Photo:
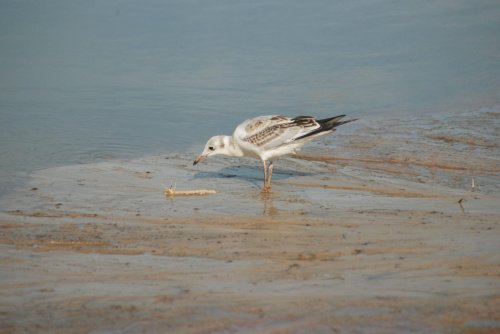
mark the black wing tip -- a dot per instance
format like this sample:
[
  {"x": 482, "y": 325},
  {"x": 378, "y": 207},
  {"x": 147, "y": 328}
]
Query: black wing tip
[
  {"x": 328, "y": 124},
  {"x": 348, "y": 121},
  {"x": 334, "y": 121},
  {"x": 330, "y": 119}
]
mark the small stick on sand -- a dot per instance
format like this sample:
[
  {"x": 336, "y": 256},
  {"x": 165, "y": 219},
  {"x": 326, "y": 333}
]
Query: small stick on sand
[
  {"x": 171, "y": 192},
  {"x": 468, "y": 192}
]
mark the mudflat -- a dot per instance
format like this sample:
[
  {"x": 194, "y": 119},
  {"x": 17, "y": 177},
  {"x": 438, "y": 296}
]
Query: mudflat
[{"x": 363, "y": 233}]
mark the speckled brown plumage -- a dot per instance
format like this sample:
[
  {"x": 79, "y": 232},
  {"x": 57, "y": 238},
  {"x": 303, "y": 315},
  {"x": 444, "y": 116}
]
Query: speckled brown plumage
[{"x": 269, "y": 133}]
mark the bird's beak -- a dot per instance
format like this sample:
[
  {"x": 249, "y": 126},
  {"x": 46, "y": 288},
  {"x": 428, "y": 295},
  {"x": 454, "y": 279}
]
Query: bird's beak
[{"x": 201, "y": 157}]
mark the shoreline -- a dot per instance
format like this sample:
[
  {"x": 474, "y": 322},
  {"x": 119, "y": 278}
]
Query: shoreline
[{"x": 362, "y": 231}]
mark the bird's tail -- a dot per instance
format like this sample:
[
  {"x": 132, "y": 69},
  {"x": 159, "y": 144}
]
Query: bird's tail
[
  {"x": 328, "y": 124},
  {"x": 333, "y": 122}
]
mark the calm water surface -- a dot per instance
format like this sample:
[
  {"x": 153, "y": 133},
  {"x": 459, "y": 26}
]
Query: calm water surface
[{"x": 82, "y": 81}]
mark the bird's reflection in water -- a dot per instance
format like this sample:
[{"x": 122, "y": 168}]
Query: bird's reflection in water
[{"x": 268, "y": 200}]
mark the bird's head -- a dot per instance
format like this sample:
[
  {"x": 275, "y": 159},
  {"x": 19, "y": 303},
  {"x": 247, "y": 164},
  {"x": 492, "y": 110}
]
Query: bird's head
[{"x": 214, "y": 146}]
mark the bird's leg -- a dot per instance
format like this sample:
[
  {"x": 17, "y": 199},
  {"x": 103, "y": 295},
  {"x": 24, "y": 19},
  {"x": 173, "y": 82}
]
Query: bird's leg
[
  {"x": 271, "y": 166},
  {"x": 266, "y": 185},
  {"x": 264, "y": 168}
]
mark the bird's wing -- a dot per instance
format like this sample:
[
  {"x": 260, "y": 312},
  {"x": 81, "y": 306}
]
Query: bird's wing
[{"x": 267, "y": 132}]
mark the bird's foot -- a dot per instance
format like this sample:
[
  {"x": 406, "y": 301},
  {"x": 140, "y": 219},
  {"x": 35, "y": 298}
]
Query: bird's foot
[{"x": 266, "y": 190}]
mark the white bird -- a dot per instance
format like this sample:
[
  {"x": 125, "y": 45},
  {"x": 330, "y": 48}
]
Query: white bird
[{"x": 269, "y": 137}]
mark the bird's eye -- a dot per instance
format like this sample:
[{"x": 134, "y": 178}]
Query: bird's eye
[{"x": 211, "y": 148}]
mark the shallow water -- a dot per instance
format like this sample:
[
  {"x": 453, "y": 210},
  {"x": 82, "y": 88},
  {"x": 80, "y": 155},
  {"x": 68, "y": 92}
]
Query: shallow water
[
  {"x": 91, "y": 81},
  {"x": 391, "y": 164}
]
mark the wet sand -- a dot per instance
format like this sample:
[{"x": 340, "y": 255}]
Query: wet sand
[{"x": 362, "y": 233}]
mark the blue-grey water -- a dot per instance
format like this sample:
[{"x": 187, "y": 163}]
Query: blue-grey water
[{"x": 82, "y": 81}]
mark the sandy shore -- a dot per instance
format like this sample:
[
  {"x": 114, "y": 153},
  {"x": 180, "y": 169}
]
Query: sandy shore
[{"x": 362, "y": 233}]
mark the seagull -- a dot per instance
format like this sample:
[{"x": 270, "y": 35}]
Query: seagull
[{"x": 270, "y": 137}]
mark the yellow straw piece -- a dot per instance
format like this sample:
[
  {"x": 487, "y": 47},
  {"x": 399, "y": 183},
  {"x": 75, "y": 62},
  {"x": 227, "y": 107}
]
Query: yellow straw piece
[{"x": 171, "y": 192}]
